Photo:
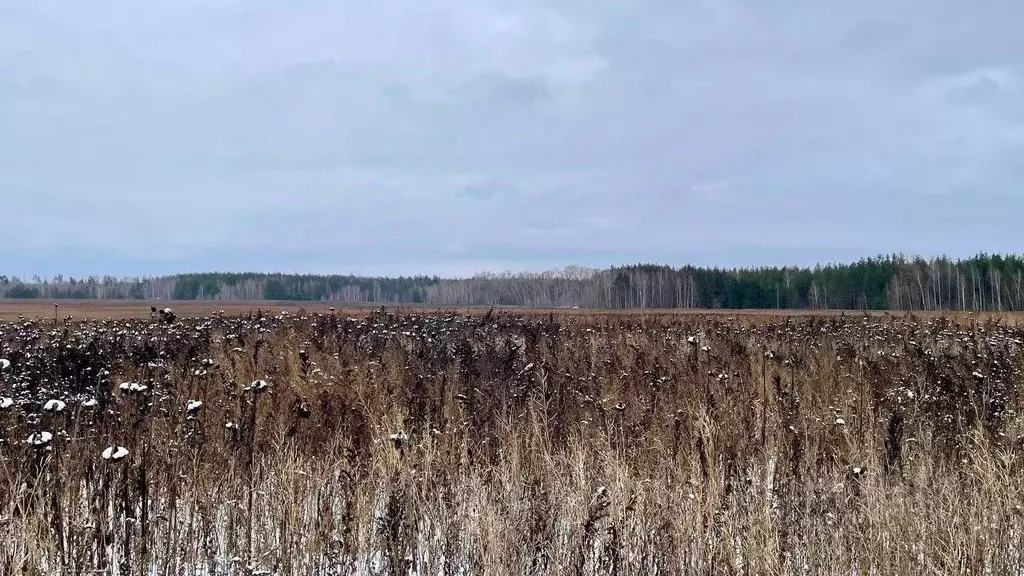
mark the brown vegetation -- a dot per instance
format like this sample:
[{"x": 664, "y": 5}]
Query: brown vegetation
[
  {"x": 508, "y": 443},
  {"x": 80, "y": 309}
]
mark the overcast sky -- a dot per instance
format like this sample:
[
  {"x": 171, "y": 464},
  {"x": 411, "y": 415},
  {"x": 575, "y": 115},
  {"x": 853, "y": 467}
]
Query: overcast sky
[{"x": 451, "y": 136}]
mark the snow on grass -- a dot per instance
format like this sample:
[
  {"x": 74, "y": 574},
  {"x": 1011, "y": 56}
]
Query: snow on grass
[
  {"x": 40, "y": 438},
  {"x": 256, "y": 386},
  {"x": 115, "y": 453},
  {"x": 133, "y": 387}
]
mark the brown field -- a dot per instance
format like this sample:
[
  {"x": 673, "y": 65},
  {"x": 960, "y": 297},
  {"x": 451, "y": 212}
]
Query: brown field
[
  {"x": 98, "y": 309},
  {"x": 122, "y": 309},
  {"x": 409, "y": 442}
]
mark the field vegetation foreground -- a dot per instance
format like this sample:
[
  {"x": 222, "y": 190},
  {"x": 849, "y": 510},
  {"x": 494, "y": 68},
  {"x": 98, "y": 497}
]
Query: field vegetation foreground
[{"x": 411, "y": 442}]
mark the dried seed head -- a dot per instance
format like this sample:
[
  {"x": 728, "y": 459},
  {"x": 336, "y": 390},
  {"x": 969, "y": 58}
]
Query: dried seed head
[
  {"x": 399, "y": 438},
  {"x": 115, "y": 453},
  {"x": 40, "y": 438}
]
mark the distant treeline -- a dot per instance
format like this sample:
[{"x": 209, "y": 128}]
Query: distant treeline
[{"x": 984, "y": 282}]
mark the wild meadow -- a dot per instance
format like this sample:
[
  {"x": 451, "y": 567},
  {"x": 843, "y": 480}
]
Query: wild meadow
[{"x": 412, "y": 442}]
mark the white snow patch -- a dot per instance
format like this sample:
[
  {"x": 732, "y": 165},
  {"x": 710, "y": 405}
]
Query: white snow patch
[
  {"x": 40, "y": 438},
  {"x": 256, "y": 386},
  {"x": 115, "y": 453}
]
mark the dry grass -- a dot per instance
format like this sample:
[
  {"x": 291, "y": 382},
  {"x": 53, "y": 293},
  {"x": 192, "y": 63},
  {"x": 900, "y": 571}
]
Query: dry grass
[
  {"x": 13, "y": 309},
  {"x": 565, "y": 443}
]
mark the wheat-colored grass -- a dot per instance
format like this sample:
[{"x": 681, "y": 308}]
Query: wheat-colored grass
[{"x": 567, "y": 444}]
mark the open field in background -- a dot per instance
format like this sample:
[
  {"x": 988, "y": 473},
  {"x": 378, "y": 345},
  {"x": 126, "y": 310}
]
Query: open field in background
[
  {"x": 520, "y": 442},
  {"x": 100, "y": 309},
  {"x": 11, "y": 309}
]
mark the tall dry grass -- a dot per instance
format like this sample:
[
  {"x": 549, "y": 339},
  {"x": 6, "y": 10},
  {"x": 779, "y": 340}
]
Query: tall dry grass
[{"x": 556, "y": 445}]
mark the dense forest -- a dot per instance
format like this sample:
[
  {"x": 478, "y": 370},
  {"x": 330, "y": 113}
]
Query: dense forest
[{"x": 984, "y": 282}]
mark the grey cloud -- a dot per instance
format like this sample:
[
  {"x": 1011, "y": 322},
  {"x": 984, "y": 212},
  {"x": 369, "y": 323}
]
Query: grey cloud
[
  {"x": 455, "y": 135},
  {"x": 497, "y": 92}
]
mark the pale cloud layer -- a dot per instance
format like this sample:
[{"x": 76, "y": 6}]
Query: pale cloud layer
[{"x": 449, "y": 137}]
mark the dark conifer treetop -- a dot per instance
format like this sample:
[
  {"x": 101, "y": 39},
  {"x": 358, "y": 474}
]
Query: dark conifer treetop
[{"x": 984, "y": 282}]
